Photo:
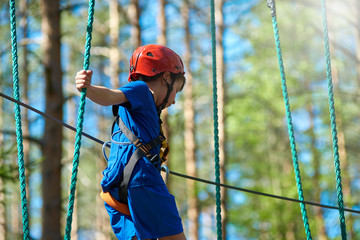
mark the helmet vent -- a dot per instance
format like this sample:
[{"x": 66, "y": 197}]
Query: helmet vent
[{"x": 150, "y": 54}]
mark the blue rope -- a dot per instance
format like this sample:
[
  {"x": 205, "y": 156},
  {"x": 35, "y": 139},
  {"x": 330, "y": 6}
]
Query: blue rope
[
  {"x": 80, "y": 121},
  {"x": 19, "y": 138},
  {"x": 216, "y": 130},
  {"x": 271, "y": 4},
  {"x": 333, "y": 123}
]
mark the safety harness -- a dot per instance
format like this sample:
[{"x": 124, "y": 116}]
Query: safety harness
[{"x": 142, "y": 150}]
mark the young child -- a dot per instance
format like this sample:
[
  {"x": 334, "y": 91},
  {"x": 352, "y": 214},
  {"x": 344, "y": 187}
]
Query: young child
[{"x": 132, "y": 183}]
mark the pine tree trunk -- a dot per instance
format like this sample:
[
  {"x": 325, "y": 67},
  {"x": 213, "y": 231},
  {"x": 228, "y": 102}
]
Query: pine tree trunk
[
  {"x": 134, "y": 17},
  {"x": 190, "y": 145},
  {"x": 52, "y": 138},
  {"x": 114, "y": 53},
  {"x": 219, "y": 20}
]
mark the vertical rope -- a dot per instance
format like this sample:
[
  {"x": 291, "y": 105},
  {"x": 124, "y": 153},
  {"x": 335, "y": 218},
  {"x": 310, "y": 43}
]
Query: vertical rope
[
  {"x": 80, "y": 121},
  {"x": 333, "y": 122},
  {"x": 216, "y": 130},
  {"x": 19, "y": 138},
  {"x": 271, "y": 4}
]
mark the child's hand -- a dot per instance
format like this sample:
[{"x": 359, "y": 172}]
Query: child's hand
[{"x": 83, "y": 79}]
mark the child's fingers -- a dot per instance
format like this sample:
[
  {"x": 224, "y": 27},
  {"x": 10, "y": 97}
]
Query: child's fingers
[{"x": 83, "y": 79}]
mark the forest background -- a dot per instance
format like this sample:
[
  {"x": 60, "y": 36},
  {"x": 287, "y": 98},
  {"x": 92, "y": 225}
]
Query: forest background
[{"x": 254, "y": 144}]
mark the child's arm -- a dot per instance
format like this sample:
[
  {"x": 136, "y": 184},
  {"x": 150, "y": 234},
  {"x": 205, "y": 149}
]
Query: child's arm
[{"x": 98, "y": 94}]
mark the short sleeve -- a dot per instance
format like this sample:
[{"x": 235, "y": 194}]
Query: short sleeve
[{"x": 137, "y": 93}]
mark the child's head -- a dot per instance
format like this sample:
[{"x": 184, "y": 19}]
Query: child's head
[{"x": 151, "y": 62}]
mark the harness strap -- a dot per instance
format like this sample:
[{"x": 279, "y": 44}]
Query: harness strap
[{"x": 141, "y": 151}]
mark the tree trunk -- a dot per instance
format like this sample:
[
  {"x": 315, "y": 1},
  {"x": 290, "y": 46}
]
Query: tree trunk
[
  {"x": 190, "y": 145},
  {"x": 161, "y": 19},
  {"x": 52, "y": 138},
  {"x": 219, "y": 21},
  {"x": 114, "y": 53},
  {"x": 134, "y": 17}
]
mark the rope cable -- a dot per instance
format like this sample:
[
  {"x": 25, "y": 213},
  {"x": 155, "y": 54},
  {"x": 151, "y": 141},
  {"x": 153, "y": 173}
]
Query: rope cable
[
  {"x": 80, "y": 121},
  {"x": 333, "y": 123},
  {"x": 271, "y": 4},
  {"x": 183, "y": 175},
  {"x": 19, "y": 138},
  {"x": 216, "y": 130}
]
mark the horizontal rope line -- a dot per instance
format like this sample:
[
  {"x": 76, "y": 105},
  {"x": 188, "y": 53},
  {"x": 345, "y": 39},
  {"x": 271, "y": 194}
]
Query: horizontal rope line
[
  {"x": 180, "y": 174},
  {"x": 49, "y": 117}
]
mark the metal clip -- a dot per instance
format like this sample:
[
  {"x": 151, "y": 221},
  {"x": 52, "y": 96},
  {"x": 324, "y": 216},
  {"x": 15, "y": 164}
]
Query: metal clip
[
  {"x": 165, "y": 169},
  {"x": 271, "y": 5}
]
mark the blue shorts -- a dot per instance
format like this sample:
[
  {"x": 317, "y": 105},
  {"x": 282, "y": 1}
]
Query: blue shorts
[{"x": 153, "y": 214}]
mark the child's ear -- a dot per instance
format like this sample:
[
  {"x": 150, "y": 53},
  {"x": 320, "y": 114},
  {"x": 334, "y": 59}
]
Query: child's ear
[{"x": 166, "y": 76}]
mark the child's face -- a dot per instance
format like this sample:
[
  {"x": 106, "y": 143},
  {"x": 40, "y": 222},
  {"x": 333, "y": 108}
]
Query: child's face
[{"x": 178, "y": 85}]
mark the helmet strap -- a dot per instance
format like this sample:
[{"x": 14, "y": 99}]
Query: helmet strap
[{"x": 165, "y": 101}]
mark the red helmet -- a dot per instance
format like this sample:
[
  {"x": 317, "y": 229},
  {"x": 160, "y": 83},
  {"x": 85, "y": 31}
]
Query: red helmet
[{"x": 152, "y": 59}]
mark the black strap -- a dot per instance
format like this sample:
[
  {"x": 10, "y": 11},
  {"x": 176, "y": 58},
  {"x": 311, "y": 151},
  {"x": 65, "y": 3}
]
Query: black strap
[{"x": 141, "y": 151}]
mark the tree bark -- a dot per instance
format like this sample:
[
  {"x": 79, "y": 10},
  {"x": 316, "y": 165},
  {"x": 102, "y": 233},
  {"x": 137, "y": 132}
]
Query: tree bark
[
  {"x": 52, "y": 138},
  {"x": 134, "y": 18},
  {"x": 190, "y": 145},
  {"x": 114, "y": 53},
  {"x": 219, "y": 21}
]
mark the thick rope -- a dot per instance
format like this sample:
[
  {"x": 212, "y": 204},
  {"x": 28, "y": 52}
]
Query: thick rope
[
  {"x": 271, "y": 4},
  {"x": 19, "y": 138},
  {"x": 80, "y": 121},
  {"x": 333, "y": 123},
  {"x": 180, "y": 174},
  {"x": 216, "y": 129}
]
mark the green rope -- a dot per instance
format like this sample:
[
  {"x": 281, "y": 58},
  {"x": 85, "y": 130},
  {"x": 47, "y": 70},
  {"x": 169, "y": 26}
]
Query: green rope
[
  {"x": 19, "y": 138},
  {"x": 80, "y": 121},
  {"x": 216, "y": 130},
  {"x": 271, "y": 4},
  {"x": 333, "y": 123}
]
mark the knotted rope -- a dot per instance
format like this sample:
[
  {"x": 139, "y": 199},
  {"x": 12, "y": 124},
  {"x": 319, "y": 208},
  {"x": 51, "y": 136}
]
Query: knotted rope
[
  {"x": 216, "y": 129},
  {"x": 19, "y": 138},
  {"x": 271, "y": 4},
  {"x": 333, "y": 123},
  {"x": 80, "y": 121}
]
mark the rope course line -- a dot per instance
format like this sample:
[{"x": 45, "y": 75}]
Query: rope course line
[
  {"x": 80, "y": 121},
  {"x": 19, "y": 138},
  {"x": 271, "y": 4},
  {"x": 183, "y": 175},
  {"x": 333, "y": 122},
  {"x": 216, "y": 129}
]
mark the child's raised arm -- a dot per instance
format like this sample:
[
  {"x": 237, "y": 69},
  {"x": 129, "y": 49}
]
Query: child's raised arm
[{"x": 98, "y": 94}]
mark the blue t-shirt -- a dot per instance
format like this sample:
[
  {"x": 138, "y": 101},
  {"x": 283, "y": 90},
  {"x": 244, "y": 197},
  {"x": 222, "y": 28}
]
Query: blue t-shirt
[{"x": 141, "y": 117}]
